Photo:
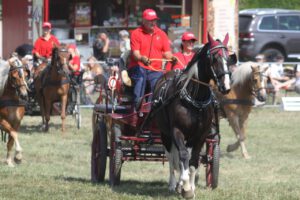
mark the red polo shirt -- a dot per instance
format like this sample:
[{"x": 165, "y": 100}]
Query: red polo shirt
[
  {"x": 182, "y": 62},
  {"x": 150, "y": 45},
  {"x": 44, "y": 47},
  {"x": 76, "y": 60}
]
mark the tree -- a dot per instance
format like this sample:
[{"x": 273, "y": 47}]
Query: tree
[{"x": 291, "y": 4}]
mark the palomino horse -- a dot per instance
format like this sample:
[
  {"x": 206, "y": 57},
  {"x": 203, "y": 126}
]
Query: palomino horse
[
  {"x": 13, "y": 90},
  {"x": 55, "y": 84},
  {"x": 183, "y": 109},
  {"x": 248, "y": 82}
]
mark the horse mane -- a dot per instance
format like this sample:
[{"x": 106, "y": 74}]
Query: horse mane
[
  {"x": 192, "y": 67},
  {"x": 4, "y": 71},
  {"x": 242, "y": 74},
  {"x": 54, "y": 57}
]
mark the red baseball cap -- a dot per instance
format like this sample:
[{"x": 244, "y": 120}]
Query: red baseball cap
[
  {"x": 47, "y": 25},
  {"x": 188, "y": 36},
  {"x": 149, "y": 14},
  {"x": 72, "y": 46}
]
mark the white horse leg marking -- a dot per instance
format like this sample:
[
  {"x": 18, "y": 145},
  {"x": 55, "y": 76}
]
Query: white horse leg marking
[
  {"x": 192, "y": 177},
  {"x": 9, "y": 159},
  {"x": 184, "y": 177},
  {"x": 244, "y": 150}
]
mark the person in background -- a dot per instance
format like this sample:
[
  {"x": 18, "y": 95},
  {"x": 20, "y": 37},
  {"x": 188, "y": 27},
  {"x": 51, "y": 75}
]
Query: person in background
[
  {"x": 125, "y": 41},
  {"x": 149, "y": 45},
  {"x": 101, "y": 46},
  {"x": 125, "y": 53},
  {"x": 277, "y": 73},
  {"x": 92, "y": 69},
  {"x": 293, "y": 82},
  {"x": 74, "y": 63},
  {"x": 186, "y": 54},
  {"x": 42, "y": 48}
]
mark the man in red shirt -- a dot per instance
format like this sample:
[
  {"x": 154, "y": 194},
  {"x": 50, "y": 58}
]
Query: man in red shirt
[
  {"x": 149, "y": 45},
  {"x": 186, "y": 54},
  {"x": 42, "y": 48}
]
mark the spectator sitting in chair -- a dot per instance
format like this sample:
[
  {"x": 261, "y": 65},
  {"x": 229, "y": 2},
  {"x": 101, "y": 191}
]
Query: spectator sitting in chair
[{"x": 293, "y": 82}]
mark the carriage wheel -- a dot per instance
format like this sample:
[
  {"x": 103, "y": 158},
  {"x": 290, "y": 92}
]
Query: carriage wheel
[
  {"x": 115, "y": 156},
  {"x": 99, "y": 152},
  {"x": 212, "y": 169}
]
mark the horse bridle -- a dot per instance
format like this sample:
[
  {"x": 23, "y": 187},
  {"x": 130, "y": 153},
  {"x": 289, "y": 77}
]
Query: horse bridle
[
  {"x": 64, "y": 64},
  {"x": 256, "y": 91},
  {"x": 18, "y": 67},
  {"x": 216, "y": 77}
]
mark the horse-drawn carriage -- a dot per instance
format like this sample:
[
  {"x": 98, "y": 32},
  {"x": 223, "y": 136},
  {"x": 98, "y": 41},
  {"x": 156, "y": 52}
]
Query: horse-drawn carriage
[
  {"x": 53, "y": 89},
  {"x": 125, "y": 132},
  {"x": 73, "y": 105},
  {"x": 120, "y": 133}
]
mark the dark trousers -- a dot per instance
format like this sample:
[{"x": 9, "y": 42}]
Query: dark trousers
[{"x": 140, "y": 77}]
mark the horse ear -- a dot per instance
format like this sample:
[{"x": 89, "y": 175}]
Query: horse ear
[
  {"x": 226, "y": 39},
  {"x": 210, "y": 39}
]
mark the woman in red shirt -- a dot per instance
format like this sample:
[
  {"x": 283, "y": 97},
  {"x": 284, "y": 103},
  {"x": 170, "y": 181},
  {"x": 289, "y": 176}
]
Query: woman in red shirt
[
  {"x": 74, "y": 63},
  {"x": 185, "y": 56}
]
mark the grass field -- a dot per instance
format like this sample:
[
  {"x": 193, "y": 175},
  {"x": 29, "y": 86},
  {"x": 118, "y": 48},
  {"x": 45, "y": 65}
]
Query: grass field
[{"x": 58, "y": 167}]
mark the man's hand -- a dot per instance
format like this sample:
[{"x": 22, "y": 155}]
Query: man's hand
[
  {"x": 145, "y": 60},
  {"x": 174, "y": 60}
]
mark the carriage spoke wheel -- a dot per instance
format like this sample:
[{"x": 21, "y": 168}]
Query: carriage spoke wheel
[
  {"x": 115, "y": 156},
  {"x": 99, "y": 152},
  {"x": 212, "y": 168}
]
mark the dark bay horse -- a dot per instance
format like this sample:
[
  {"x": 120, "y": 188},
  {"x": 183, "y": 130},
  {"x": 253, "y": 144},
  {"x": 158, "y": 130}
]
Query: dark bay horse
[
  {"x": 53, "y": 85},
  {"x": 13, "y": 93},
  {"x": 183, "y": 107},
  {"x": 248, "y": 83}
]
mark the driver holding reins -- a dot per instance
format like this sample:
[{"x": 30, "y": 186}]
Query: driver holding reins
[
  {"x": 149, "y": 45},
  {"x": 42, "y": 49}
]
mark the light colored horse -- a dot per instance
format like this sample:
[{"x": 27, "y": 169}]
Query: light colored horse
[
  {"x": 13, "y": 88},
  {"x": 248, "y": 83}
]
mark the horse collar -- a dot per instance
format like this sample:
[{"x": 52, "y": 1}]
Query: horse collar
[{"x": 200, "y": 105}]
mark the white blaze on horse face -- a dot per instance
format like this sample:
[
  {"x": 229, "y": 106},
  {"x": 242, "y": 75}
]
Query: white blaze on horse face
[{"x": 226, "y": 78}]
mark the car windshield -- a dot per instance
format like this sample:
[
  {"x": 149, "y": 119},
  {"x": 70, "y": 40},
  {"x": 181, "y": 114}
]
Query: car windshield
[{"x": 244, "y": 23}]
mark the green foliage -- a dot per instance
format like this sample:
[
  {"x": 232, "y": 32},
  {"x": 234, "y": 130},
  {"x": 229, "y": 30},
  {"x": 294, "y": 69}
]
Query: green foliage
[{"x": 291, "y": 4}]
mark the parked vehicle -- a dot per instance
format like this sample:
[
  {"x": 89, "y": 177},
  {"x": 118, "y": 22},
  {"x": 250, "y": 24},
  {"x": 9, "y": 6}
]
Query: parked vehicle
[{"x": 273, "y": 32}]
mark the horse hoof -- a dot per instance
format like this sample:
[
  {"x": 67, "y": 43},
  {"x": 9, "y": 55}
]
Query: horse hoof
[
  {"x": 246, "y": 156},
  {"x": 187, "y": 194},
  {"x": 231, "y": 148},
  {"x": 178, "y": 188},
  {"x": 18, "y": 158},
  {"x": 10, "y": 164}
]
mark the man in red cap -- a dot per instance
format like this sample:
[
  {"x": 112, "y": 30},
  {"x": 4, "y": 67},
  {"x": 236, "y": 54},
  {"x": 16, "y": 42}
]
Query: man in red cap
[
  {"x": 42, "y": 48},
  {"x": 149, "y": 45},
  {"x": 186, "y": 54}
]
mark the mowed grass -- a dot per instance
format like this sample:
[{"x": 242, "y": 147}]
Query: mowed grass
[{"x": 58, "y": 167}]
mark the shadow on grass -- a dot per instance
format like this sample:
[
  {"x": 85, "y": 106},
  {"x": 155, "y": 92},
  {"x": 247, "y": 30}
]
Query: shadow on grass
[
  {"x": 74, "y": 179},
  {"x": 150, "y": 189},
  {"x": 29, "y": 129},
  {"x": 132, "y": 187}
]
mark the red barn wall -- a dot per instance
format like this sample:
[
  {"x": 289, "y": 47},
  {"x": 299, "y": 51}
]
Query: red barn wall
[{"x": 16, "y": 15}]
